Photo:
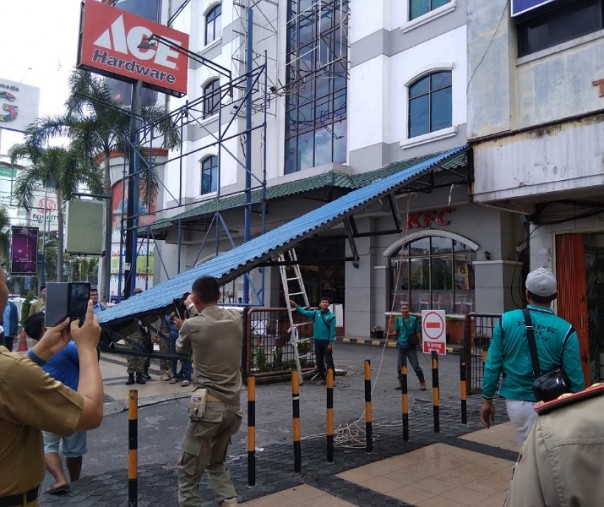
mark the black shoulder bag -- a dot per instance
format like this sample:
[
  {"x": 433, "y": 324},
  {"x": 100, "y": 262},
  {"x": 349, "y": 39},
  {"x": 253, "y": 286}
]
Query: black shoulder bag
[{"x": 552, "y": 384}]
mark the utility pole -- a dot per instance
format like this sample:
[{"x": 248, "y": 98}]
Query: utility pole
[{"x": 133, "y": 193}]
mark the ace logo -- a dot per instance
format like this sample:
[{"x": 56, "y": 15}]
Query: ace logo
[
  {"x": 115, "y": 38},
  {"x": 109, "y": 44}
]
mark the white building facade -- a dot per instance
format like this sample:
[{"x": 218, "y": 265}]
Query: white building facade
[{"x": 352, "y": 88}]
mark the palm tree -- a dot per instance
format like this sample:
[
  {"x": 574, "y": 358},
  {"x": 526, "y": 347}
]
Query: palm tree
[
  {"x": 61, "y": 169},
  {"x": 98, "y": 126}
]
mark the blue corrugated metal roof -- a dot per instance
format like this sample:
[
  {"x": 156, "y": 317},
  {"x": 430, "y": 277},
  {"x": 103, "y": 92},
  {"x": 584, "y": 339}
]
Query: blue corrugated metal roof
[{"x": 245, "y": 257}]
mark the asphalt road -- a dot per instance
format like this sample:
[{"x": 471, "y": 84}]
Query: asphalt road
[{"x": 160, "y": 426}]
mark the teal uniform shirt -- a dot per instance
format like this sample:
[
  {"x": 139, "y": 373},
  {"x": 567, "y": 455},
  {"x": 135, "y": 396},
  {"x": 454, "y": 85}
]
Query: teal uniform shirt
[
  {"x": 324, "y": 323},
  {"x": 509, "y": 355},
  {"x": 404, "y": 328}
]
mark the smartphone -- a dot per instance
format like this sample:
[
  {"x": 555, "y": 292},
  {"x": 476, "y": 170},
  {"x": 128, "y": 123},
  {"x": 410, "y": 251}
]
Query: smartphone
[{"x": 66, "y": 299}]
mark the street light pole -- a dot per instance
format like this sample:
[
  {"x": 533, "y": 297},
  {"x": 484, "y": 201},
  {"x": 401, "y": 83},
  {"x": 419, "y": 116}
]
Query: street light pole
[{"x": 133, "y": 193}]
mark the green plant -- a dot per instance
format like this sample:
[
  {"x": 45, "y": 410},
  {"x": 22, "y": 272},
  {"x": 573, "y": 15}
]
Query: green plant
[
  {"x": 304, "y": 347},
  {"x": 278, "y": 359},
  {"x": 261, "y": 360}
]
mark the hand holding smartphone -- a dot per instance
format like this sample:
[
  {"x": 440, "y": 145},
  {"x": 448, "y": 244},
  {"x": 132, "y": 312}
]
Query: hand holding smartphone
[{"x": 66, "y": 299}]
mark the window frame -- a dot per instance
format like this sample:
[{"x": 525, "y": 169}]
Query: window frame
[
  {"x": 213, "y": 20},
  {"x": 431, "y": 91},
  {"x": 213, "y": 172},
  {"x": 451, "y": 299},
  {"x": 316, "y": 111},
  {"x": 211, "y": 97},
  {"x": 551, "y": 17}
]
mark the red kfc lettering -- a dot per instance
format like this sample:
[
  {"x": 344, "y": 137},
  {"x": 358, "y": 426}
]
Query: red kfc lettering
[
  {"x": 428, "y": 216},
  {"x": 413, "y": 221},
  {"x": 440, "y": 216}
]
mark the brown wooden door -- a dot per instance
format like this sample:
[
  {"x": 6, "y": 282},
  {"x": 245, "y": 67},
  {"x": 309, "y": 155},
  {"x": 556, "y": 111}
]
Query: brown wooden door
[{"x": 572, "y": 291}]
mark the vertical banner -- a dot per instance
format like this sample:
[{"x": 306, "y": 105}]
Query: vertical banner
[{"x": 24, "y": 251}]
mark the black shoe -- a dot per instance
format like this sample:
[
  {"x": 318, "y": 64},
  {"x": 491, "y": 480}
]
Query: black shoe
[
  {"x": 146, "y": 375},
  {"x": 130, "y": 380},
  {"x": 140, "y": 379}
]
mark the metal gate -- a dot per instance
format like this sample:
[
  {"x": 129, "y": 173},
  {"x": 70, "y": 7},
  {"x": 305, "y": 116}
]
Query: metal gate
[
  {"x": 270, "y": 350},
  {"x": 478, "y": 332}
]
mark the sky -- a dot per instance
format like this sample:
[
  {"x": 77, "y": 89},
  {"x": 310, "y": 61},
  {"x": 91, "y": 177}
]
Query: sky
[{"x": 39, "y": 41}]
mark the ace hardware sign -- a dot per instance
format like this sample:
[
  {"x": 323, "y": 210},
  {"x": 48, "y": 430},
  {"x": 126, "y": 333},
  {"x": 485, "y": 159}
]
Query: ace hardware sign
[{"x": 118, "y": 44}]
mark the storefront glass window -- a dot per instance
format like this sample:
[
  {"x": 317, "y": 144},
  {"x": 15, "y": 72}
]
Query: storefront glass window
[{"x": 433, "y": 273}]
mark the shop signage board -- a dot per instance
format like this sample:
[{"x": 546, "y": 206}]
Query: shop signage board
[
  {"x": 111, "y": 44},
  {"x": 522, "y": 6},
  {"x": 434, "y": 334}
]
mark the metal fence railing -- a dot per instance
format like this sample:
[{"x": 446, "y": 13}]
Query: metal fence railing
[
  {"x": 269, "y": 349},
  {"x": 478, "y": 332}
]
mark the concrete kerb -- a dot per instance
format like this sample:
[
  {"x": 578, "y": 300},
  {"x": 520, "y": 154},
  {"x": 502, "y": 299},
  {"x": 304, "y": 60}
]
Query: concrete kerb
[{"x": 375, "y": 342}]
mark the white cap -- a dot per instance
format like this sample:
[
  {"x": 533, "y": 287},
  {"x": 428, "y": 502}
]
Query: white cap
[{"x": 541, "y": 282}]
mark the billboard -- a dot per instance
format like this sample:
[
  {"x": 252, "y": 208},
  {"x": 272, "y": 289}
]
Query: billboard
[
  {"x": 109, "y": 45},
  {"x": 24, "y": 251},
  {"x": 121, "y": 91},
  {"x": 19, "y": 105},
  {"x": 522, "y": 6}
]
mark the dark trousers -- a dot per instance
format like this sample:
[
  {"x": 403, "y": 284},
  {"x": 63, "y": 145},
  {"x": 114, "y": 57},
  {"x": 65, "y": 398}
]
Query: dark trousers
[
  {"x": 408, "y": 352},
  {"x": 323, "y": 357}
]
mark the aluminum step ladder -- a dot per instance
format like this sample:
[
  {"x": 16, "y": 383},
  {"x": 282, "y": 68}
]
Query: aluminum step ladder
[{"x": 293, "y": 285}]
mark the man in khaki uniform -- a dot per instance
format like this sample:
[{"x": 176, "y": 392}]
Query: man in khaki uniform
[
  {"x": 214, "y": 336},
  {"x": 562, "y": 461},
  {"x": 31, "y": 401}
]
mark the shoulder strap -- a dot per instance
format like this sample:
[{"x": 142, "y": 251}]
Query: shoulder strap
[
  {"x": 324, "y": 321},
  {"x": 530, "y": 335}
]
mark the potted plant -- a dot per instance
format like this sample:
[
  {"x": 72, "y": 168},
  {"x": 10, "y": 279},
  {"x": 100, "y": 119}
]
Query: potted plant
[{"x": 377, "y": 331}]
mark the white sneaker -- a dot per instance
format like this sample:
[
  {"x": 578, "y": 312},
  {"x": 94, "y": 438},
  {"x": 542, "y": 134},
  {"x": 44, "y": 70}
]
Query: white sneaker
[{"x": 229, "y": 501}]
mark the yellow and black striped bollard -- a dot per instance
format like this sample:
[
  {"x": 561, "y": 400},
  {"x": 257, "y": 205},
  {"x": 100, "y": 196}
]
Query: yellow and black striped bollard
[
  {"x": 329, "y": 421},
  {"x": 296, "y": 413},
  {"x": 251, "y": 431},
  {"x": 435, "y": 392},
  {"x": 368, "y": 408},
  {"x": 133, "y": 448}
]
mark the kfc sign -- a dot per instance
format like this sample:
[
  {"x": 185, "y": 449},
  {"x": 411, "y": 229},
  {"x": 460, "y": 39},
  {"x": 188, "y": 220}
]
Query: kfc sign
[
  {"x": 424, "y": 219},
  {"x": 109, "y": 44}
]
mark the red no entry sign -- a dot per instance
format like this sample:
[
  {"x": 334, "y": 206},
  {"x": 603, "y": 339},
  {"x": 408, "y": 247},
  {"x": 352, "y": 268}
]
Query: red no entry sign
[{"x": 434, "y": 331}]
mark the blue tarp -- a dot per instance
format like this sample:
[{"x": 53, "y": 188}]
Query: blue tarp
[{"x": 228, "y": 266}]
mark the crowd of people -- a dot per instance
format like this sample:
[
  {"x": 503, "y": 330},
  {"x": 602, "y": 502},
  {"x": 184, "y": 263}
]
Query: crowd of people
[{"x": 53, "y": 394}]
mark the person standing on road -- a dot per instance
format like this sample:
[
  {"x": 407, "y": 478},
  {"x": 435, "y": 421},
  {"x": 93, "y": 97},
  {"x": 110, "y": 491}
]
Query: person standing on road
[
  {"x": 324, "y": 333},
  {"x": 32, "y": 401},
  {"x": 509, "y": 355},
  {"x": 408, "y": 330},
  {"x": 64, "y": 366},
  {"x": 136, "y": 364},
  {"x": 10, "y": 324},
  {"x": 39, "y": 305},
  {"x": 214, "y": 336}
]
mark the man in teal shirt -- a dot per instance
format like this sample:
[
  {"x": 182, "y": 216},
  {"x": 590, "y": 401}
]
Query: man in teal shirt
[
  {"x": 324, "y": 333},
  {"x": 509, "y": 355}
]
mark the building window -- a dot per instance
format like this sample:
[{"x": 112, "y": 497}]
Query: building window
[
  {"x": 211, "y": 98},
  {"x": 213, "y": 18},
  {"x": 435, "y": 273},
  {"x": 209, "y": 174},
  {"x": 543, "y": 28},
  {"x": 430, "y": 103},
  {"x": 418, "y": 8},
  {"x": 317, "y": 75}
]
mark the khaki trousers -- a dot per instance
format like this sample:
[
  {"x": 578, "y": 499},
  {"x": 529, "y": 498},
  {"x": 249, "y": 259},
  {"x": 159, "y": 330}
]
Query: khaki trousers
[{"x": 204, "y": 446}]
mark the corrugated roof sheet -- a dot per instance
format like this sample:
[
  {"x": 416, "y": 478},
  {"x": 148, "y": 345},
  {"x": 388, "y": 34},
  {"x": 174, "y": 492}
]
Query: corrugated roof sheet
[{"x": 245, "y": 257}]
